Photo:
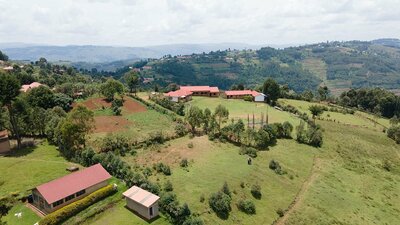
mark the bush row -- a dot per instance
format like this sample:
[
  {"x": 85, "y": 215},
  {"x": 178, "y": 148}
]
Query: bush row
[{"x": 68, "y": 211}]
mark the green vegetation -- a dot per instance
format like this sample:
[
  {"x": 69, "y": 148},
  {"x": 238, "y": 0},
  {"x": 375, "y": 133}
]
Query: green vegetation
[
  {"x": 44, "y": 163},
  {"x": 70, "y": 210},
  {"x": 28, "y": 217}
]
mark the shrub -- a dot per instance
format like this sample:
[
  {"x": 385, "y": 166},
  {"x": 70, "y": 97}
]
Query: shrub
[
  {"x": 225, "y": 189},
  {"x": 246, "y": 206},
  {"x": 184, "y": 163},
  {"x": 274, "y": 165},
  {"x": 147, "y": 172},
  {"x": 256, "y": 191},
  {"x": 242, "y": 184},
  {"x": 168, "y": 186},
  {"x": 116, "y": 111},
  {"x": 193, "y": 221},
  {"x": 280, "y": 212},
  {"x": 113, "y": 143},
  {"x": 156, "y": 138},
  {"x": 64, "y": 213},
  {"x": 180, "y": 129},
  {"x": 250, "y": 151},
  {"x": 248, "y": 98},
  {"x": 202, "y": 198},
  {"x": 162, "y": 168},
  {"x": 220, "y": 203},
  {"x": 117, "y": 103},
  {"x": 190, "y": 145},
  {"x": 394, "y": 133}
]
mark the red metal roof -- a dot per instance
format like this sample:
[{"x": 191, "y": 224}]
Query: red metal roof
[
  {"x": 178, "y": 93},
  {"x": 3, "y": 133},
  {"x": 199, "y": 88},
  {"x": 65, "y": 186},
  {"x": 242, "y": 92}
]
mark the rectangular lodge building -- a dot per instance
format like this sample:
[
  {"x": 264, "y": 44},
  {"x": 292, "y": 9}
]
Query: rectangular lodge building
[{"x": 58, "y": 193}]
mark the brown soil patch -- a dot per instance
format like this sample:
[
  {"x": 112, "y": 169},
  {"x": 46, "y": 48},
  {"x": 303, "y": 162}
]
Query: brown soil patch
[
  {"x": 110, "y": 123},
  {"x": 173, "y": 154},
  {"x": 133, "y": 106},
  {"x": 130, "y": 105}
]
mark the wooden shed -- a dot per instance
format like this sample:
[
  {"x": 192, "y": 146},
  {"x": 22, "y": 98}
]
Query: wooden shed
[{"x": 142, "y": 202}]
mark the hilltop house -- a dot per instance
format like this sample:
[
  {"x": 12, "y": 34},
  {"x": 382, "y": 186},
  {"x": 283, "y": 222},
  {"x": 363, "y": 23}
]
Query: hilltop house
[
  {"x": 179, "y": 95},
  {"x": 28, "y": 87},
  {"x": 4, "y": 142},
  {"x": 58, "y": 193},
  {"x": 257, "y": 97},
  {"x": 142, "y": 202}
]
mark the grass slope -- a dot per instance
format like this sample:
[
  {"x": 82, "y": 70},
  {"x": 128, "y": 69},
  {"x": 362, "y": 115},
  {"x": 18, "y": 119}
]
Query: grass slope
[
  {"x": 352, "y": 186},
  {"x": 241, "y": 109},
  {"x": 29, "y": 167}
]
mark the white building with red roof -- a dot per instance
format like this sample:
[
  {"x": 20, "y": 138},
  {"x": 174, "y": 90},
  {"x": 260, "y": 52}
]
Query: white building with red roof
[
  {"x": 60, "y": 192},
  {"x": 179, "y": 95},
  {"x": 240, "y": 94},
  {"x": 142, "y": 202}
]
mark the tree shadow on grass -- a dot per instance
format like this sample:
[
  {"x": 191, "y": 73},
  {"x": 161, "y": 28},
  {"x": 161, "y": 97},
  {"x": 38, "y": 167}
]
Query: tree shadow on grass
[{"x": 16, "y": 153}]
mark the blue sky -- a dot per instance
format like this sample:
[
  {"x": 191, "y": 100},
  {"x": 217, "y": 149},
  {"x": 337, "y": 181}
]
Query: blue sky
[{"x": 156, "y": 22}]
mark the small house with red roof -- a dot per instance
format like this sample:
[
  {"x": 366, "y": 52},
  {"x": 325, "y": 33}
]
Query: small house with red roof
[
  {"x": 60, "y": 192},
  {"x": 142, "y": 202},
  {"x": 4, "y": 142},
  {"x": 240, "y": 94}
]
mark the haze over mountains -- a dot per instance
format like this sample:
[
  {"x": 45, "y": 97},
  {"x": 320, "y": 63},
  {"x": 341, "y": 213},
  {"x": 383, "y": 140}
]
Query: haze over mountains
[{"x": 102, "y": 54}]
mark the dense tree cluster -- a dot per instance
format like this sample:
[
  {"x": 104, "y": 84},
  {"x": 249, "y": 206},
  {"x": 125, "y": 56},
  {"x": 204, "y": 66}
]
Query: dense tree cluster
[{"x": 377, "y": 100}]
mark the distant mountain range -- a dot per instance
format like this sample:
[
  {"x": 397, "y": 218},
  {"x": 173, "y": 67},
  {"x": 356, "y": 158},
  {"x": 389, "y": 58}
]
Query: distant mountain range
[{"x": 102, "y": 54}]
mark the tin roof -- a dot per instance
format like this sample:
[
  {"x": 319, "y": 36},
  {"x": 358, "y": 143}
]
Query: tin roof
[{"x": 141, "y": 196}]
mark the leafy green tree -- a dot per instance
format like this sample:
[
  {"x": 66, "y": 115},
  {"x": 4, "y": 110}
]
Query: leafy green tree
[
  {"x": 42, "y": 97},
  {"x": 225, "y": 189},
  {"x": 272, "y": 90},
  {"x": 316, "y": 110},
  {"x": 323, "y": 93},
  {"x": 287, "y": 129},
  {"x": 132, "y": 80},
  {"x": 38, "y": 119},
  {"x": 110, "y": 88},
  {"x": 222, "y": 114},
  {"x": 74, "y": 129},
  {"x": 9, "y": 90},
  {"x": 307, "y": 95},
  {"x": 194, "y": 117},
  {"x": 63, "y": 101}
]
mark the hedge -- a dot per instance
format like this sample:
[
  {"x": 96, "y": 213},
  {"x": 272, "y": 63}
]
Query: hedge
[{"x": 70, "y": 210}]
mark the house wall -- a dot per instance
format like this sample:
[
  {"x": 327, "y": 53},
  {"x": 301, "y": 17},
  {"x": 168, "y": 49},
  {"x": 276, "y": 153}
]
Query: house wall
[
  {"x": 201, "y": 93},
  {"x": 43, "y": 206},
  {"x": 236, "y": 96},
  {"x": 4, "y": 145},
  {"x": 259, "y": 98},
  {"x": 141, "y": 209}
]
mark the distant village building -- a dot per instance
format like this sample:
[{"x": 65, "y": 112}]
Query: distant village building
[
  {"x": 257, "y": 97},
  {"x": 147, "y": 80},
  {"x": 179, "y": 95},
  {"x": 28, "y": 87},
  {"x": 146, "y": 67},
  {"x": 8, "y": 68},
  {"x": 144, "y": 203},
  {"x": 58, "y": 193},
  {"x": 4, "y": 142},
  {"x": 202, "y": 90}
]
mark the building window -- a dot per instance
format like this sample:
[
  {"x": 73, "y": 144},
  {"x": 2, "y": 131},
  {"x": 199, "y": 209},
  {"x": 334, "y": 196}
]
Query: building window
[
  {"x": 79, "y": 193},
  {"x": 59, "y": 202},
  {"x": 70, "y": 197}
]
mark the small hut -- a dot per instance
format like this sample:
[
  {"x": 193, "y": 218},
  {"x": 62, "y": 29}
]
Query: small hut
[{"x": 142, "y": 202}]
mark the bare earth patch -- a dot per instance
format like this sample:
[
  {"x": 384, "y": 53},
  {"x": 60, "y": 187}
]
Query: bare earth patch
[
  {"x": 130, "y": 105},
  {"x": 110, "y": 123}
]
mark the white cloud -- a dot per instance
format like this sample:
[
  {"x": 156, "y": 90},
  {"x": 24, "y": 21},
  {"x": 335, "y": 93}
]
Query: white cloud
[{"x": 153, "y": 22}]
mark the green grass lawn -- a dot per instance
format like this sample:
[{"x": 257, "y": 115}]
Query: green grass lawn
[
  {"x": 211, "y": 164},
  {"x": 28, "y": 217},
  {"x": 30, "y": 167},
  {"x": 241, "y": 109}
]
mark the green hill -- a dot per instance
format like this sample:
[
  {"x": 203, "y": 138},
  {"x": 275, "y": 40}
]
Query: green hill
[{"x": 339, "y": 65}]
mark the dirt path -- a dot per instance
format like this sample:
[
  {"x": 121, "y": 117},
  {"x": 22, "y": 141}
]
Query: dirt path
[{"x": 300, "y": 195}]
